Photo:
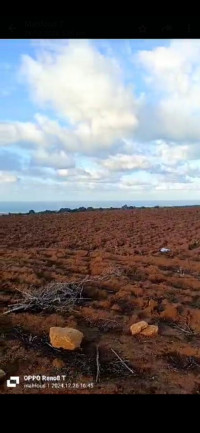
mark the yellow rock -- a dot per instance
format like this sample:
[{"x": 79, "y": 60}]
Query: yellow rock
[
  {"x": 136, "y": 328},
  {"x": 65, "y": 338},
  {"x": 150, "y": 331}
]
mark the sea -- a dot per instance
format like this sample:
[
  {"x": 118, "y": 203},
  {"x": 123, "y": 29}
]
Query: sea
[{"x": 38, "y": 206}]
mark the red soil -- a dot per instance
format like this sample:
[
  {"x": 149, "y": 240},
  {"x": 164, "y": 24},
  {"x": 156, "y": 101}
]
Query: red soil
[{"x": 163, "y": 289}]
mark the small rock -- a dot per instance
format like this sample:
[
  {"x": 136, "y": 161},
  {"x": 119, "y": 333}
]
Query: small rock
[
  {"x": 65, "y": 338},
  {"x": 2, "y": 374},
  {"x": 165, "y": 250},
  {"x": 136, "y": 328},
  {"x": 58, "y": 363},
  {"x": 115, "y": 307},
  {"x": 150, "y": 331}
]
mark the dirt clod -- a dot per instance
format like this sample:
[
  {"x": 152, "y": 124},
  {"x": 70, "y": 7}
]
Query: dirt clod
[{"x": 58, "y": 363}]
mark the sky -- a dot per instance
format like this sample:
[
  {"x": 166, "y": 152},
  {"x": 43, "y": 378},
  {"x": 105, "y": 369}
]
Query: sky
[{"x": 99, "y": 120}]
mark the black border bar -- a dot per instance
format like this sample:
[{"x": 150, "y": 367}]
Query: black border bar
[{"x": 114, "y": 27}]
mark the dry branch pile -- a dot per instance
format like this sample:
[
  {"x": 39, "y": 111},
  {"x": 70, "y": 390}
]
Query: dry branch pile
[{"x": 55, "y": 296}]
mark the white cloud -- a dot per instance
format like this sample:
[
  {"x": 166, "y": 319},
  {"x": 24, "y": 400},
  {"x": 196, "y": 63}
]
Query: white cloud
[
  {"x": 87, "y": 89},
  {"x": 43, "y": 132},
  {"x": 173, "y": 73},
  {"x": 7, "y": 177},
  {"x": 171, "y": 154},
  {"x": 86, "y": 176},
  {"x": 73, "y": 172},
  {"x": 13, "y": 132},
  {"x": 58, "y": 159},
  {"x": 135, "y": 184},
  {"x": 178, "y": 186},
  {"x": 55, "y": 134},
  {"x": 122, "y": 162}
]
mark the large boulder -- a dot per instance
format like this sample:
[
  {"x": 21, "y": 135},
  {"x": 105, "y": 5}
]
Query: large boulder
[
  {"x": 65, "y": 338},
  {"x": 136, "y": 328}
]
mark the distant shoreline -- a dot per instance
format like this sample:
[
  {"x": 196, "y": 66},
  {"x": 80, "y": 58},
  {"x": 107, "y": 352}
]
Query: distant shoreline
[{"x": 92, "y": 209}]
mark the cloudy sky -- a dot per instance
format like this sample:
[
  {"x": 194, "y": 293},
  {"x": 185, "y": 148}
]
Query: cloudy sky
[{"x": 99, "y": 120}]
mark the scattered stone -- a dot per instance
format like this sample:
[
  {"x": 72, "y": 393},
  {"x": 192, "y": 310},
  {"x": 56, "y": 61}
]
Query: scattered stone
[
  {"x": 150, "y": 331},
  {"x": 165, "y": 250},
  {"x": 2, "y": 374},
  {"x": 115, "y": 307},
  {"x": 136, "y": 328},
  {"x": 65, "y": 338},
  {"x": 58, "y": 363}
]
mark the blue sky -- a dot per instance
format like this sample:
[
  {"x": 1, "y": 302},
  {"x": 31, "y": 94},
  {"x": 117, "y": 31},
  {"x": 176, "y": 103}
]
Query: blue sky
[{"x": 99, "y": 119}]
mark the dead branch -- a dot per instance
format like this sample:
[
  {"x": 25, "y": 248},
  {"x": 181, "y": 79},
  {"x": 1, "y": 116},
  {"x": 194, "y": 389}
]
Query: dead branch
[
  {"x": 97, "y": 362},
  {"x": 121, "y": 360},
  {"x": 20, "y": 307},
  {"x": 189, "y": 331}
]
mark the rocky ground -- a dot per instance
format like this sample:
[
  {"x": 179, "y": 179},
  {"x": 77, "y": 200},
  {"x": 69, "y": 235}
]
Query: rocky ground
[{"x": 145, "y": 285}]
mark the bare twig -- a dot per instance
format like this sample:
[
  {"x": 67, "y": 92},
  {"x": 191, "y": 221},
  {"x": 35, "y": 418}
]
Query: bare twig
[
  {"x": 20, "y": 307},
  {"x": 97, "y": 362},
  {"x": 24, "y": 293},
  {"x": 125, "y": 365},
  {"x": 189, "y": 332}
]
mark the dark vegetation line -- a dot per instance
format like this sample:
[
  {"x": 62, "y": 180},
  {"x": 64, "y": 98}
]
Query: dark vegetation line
[{"x": 90, "y": 209}]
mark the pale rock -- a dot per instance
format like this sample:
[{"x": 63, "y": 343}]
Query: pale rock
[
  {"x": 2, "y": 374},
  {"x": 136, "y": 328},
  {"x": 150, "y": 331},
  {"x": 65, "y": 338}
]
